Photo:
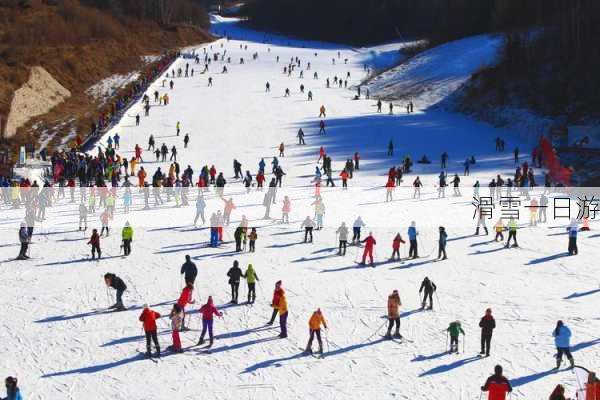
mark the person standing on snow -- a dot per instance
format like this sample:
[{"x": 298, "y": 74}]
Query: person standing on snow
[
  {"x": 208, "y": 310},
  {"x": 314, "y": 328},
  {"x": 497, "y": 385},
  {"x": 277, "y": 293},
  {"x": 229, "y": 206},
  {"x": 572, "y": 230},
  {"x": 308, "y": 226},
  {"x": 487, "y": 325},
  {"x": 127, "y": 237},
  {"x": 95, "y": 242},
  {"x": 24, "y": 240},
  {"x": 252, "y": 236},
  {"x": 185, "y": 298},
  {"x": 116, "y": 283},
  {"x": 413, "y": 251},
  {"x": 285, "y": 211},
  {"x": 512, "y": 232},
  {"x": 499, "y": 227},
  {"x": 443, "y": 239},
  {"x": 428, "y": 287},
  {"x": 176, "y": 317},
  {"x": 396, "y": 246},
  {"x": 282, "y": 308},
  {"x": 300, "y": 136},
  {"x": 393, "y": 306},
  {"x": 251, "y": 278},
  {"x": 200, "y": 206},
  {"x": 148, "y": 318},
  {"x": 322, "y": 111},
  {"x": 454, "y": 329},
  {"x": 562, "y": 340},
  {"x": 234, "y": 274},
  {"x": 369, "y": 246},
  {"x": 189, "y": 270},
  {"x": 356, "y": 226},
  {"x": 342, "y": 231}
]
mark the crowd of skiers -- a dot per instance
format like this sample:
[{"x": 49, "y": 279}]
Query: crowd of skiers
[{"x": 99, "y": 176}]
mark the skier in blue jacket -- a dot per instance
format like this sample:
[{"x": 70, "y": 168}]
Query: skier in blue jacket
[
  {"x": 412, "y": 237},
  {"x": 562, "y": 340}
]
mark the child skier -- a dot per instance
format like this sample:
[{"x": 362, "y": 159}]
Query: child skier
[
  {"x": 282, "y": 308},
  {"x": 176, "y": 317},
  {"x": 148, "y": 318},
  {"x": 396, "y": 246},
  {"x": 454, "y": 329},
  {"x": 95, "y": 242},
  {"x": 314, "y": 326},
  {"x": 252, "y": 236},
  {"x": 208, "y": 310}
]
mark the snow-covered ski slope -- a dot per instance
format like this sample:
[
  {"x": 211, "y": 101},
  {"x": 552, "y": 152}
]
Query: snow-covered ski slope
[{"x": 61, "y": 344}]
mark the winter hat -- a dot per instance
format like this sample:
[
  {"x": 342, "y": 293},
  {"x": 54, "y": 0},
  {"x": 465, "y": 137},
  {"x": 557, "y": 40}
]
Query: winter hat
[
  {"x": 210, "y": 300},
  {"x": 278, "y": 283},
  {"x": 146, "y": 305},
  {"x": 413, "y": 223}
]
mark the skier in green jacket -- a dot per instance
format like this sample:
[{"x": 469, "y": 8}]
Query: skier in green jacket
[
  {"x": 455, "y": 330},
  {"x": 251, "y": 279}
]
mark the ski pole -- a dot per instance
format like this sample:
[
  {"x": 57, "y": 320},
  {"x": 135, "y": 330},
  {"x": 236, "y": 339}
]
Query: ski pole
[
  {"x": 326, "y": 341},
  {"x": 446, "y": 347},
  {"x": 480, "y": 395}
]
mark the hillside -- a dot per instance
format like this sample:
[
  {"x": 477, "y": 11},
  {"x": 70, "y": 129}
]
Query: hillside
[{"x": 79, "y": 43}]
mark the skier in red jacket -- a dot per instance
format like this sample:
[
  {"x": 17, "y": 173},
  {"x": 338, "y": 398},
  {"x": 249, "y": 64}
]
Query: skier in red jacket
[
  {"x": 277, "y": 293},
  {"x": 95, "y": 242},
  {"x": 148, "y": 317},
  {"x": 497, "y": 385},
  {"x": 184, "y": 299},
  {"x": 369, "y": 245},
  {"x": 208, "y": 310},
  {"x": 396, "y": 246}
]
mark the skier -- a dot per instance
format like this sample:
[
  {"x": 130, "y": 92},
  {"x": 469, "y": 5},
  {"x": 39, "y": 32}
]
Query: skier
[
  {"x": 369, "y": 246},
  {"x": 321, "y": 127},
  {"x": 480, "y": 219},
  {"x": 24, "y": 240},
  {"x": 185, "y": 298},
  {"x": 251, "y": 279},
  {"x": 342, "y": 231},
  {"x": 229, "y": 206},
  {"x": 390, "y": 148},
  {"x": 413, "y": 251},
  {"x": 12, "y": 390},
  {"x": 208, "y": 310},
  {"x": 189, "y": 270},
  {"x": 499, "y": 227},
  {"x": 562, "y": 339},
  {"x": 442, "y": 243},
  {"x": 559, "y": 394},
  {"x": 186, "y": 140},
  {"x": 234, "y": 274},
  {"x": 417, "y": 185},
  {"x": 356, "y": 226},
  {"x": 455, "y": 184},
  {"x": 285, "y": 216},
  {"x": 393, "y": 306},
  {"x": 308, "y": 226},
  {"x": 200, "y": 206},
  {"x": 83, "y": 212},
  {"x": 277, "y": 293},
  {"x": 572, "y": 230},
  {"x": 487, "y": 325},
  {"x": 512, "y": 232},
  {"x": 314, "y": 327},
  {"x": 300, "y": 136},
  {"x": 282, "y": 308},
  {"x": 428, "y": 288},
  {"x": 322, "y": 111},
  {"x": 379, "y": 104},
  {"x": 95, "y": 242},
  {"x": 267, "y": 87},
  {"x": 396, "y": 246},
  {"x": 176, "y": 317},
  {"x": 454, "y": 329},
  {"x": 148, "y": 318},
  {"x": 116, "y": 283},
  {"x": 127, "y": 236},
  {"x": 497, "y": 385},
  {"x": 252, "y": 236}
]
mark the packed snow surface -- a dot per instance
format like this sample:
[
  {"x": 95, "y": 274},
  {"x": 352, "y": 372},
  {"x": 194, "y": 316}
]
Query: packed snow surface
[{"x": 59, "y": 341}]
